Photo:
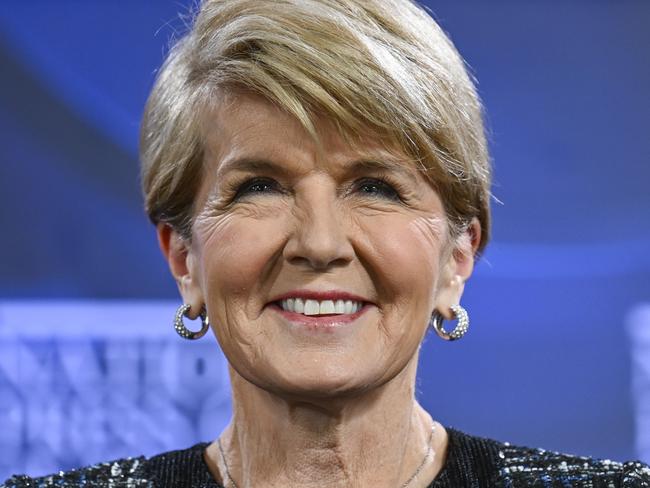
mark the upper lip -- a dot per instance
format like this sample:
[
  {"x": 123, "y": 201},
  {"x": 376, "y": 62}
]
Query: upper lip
[{"x": 320, "y": 295}]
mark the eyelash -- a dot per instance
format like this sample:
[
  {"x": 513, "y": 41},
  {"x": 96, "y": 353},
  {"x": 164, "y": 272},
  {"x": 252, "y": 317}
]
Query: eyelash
[
  {"x": 391, "y": 189},
  {"x": 242, "y": 189}
]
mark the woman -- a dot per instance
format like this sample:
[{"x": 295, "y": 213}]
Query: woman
[{"x": 318, "y": 174}]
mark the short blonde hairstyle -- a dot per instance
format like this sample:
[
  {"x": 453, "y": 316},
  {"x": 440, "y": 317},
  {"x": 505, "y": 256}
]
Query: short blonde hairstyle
[{"x": 383, "y": 66}]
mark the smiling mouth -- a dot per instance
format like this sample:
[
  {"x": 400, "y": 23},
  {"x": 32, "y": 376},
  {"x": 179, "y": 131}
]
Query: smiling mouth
[
  {"x": 323, "y": 318},
  {"x": 320, "y": 308}
]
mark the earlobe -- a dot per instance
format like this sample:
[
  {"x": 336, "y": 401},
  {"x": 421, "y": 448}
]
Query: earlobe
[
  {"x": 180, "y": 260},
  {"x": 458, "y": 269},
  {"x": 450, "y": 294}
]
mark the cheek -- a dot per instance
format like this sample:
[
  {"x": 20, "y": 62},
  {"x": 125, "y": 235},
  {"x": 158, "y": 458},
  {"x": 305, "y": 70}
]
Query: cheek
[
  {"x": 236, "y": 249},
  {"x": 428, "y": 235},
  {"x": 407, "y": 252}
]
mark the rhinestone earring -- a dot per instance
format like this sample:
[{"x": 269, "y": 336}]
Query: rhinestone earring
[
  {"x": 461, "y": 328},
  {"x": 183, "y": 331}
]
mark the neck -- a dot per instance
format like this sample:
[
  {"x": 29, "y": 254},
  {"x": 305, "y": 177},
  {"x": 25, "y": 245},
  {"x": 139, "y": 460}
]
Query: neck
[{"x": 380, "y": 439}]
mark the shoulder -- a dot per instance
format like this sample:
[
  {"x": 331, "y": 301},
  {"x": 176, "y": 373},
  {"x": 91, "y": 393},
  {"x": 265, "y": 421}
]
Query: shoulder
[
  {"x": 524, "y": 466},
  {"x": 517, "y": 466},
  {"x": 122, "y": 472},
  {"x": 175, "y": 468}
]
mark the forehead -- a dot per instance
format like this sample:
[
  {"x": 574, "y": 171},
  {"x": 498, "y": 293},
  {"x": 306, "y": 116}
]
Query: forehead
[{"x": 247, "y": 126}]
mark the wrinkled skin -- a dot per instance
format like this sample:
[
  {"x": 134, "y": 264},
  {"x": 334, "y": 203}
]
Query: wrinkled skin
[{"x": 316, "y": 219}]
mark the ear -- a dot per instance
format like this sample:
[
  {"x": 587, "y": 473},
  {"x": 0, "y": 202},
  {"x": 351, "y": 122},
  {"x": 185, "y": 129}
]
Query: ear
[
  {"x": 181, "y": 263},
  {"x": 457, "y": 268}
]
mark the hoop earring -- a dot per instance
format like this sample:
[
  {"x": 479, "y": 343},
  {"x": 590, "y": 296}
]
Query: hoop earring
[
  {"x": 461, "y": 328},
  {"x": 183, "y": 331}
]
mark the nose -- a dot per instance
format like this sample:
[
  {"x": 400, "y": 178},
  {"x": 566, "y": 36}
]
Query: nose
[{"x": 320, "y": 237}]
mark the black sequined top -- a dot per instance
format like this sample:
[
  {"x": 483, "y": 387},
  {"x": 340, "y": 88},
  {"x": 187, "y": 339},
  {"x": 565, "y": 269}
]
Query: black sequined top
[{"x": 472, "y": 462}]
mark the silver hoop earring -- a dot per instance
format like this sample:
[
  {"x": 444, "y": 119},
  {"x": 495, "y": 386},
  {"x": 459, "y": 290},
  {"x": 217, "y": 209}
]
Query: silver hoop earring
[
  {"x": 183, "y": 331},
  {"x": 461, "y": 328}
]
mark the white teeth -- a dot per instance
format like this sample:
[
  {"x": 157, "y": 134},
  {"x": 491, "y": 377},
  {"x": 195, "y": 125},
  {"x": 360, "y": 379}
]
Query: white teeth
[
  {"x": 311, "y": 307},
  {"x": 327, "y": 306},
  {"x": 314, "y": 307}
]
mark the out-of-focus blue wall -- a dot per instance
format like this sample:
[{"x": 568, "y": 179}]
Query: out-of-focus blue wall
[{"x": 565, "y": 85}]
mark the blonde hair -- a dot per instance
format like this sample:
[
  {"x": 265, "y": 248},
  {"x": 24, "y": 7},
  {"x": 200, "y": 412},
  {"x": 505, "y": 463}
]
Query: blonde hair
[{"x": 383, "y": 66}]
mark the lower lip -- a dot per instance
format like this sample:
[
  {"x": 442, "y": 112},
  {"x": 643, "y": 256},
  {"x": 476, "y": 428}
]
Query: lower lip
[{"x": 320, "y": 322}]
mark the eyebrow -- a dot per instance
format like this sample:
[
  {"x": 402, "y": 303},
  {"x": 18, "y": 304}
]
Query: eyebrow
[
  {"x": 380, "y": 165},
  {"x": 253, "y": 165},
  {"x": 260, "y": 165}
]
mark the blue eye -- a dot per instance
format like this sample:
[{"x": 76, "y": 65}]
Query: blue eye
[
  {"x": 371, "y": 187},
  {"x": 256, "y": 186},
  {"x": 378, "y": 188}
]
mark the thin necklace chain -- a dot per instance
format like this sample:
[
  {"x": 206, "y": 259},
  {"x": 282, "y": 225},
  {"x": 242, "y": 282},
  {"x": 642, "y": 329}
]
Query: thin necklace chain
[
  {"x": 225, "y": 463},
  {"x": 405, "y": 485},
  {"x": 424, "y": 460}
]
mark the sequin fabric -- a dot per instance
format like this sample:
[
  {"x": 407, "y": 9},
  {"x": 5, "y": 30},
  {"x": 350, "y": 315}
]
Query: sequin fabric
[
  {"x": 123, "y": 473},
  {"x": 539, "y": 468},
  {"x": 472, "y": 462}
]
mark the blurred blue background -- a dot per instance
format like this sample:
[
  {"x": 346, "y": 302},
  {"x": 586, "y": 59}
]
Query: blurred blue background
[{"x": 548, "y": 361}]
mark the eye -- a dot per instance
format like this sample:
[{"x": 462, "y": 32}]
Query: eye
[
  {"x": 378, "y": 188},
  {"x": 256, "y": 186}
]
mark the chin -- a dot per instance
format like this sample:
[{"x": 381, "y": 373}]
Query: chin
[
  {"x": 319, "y": 391},
  {"x": 317, "y": 382}
]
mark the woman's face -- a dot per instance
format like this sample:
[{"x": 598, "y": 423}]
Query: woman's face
[{"x": 278, "y": 219}]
